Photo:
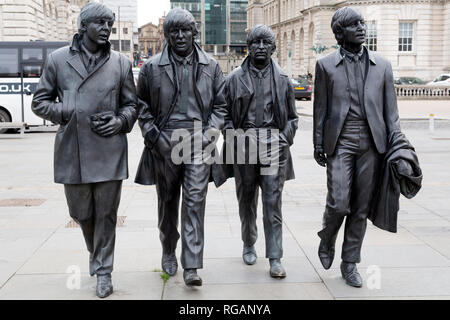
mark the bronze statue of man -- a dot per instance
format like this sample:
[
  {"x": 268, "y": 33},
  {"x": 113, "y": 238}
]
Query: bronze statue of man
[
  {"x": 88, "y": 89},
  {"x": 355, "y": 111},
  {"x": 179, "y": 89},
  {"x": 261, "y": 107}
]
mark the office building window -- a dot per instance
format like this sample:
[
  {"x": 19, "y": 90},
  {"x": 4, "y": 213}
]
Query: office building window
[
  {"x": 125, "y": 45},
  {"x": 115, "y": 44},
  {"x": 405, "y": 36},
  {"x": 114, "y": 30},
  {"x": 125, "y": 30},
  {"x": 371, "y": 40}
]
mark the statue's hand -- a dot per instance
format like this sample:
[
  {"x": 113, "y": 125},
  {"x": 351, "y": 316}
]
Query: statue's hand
[
  {"x": 111, "y": 125},
  {"x": 320, "y": 156}
]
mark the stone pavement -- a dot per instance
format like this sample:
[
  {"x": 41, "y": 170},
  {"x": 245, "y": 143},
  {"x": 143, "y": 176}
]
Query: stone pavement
[{"x": 37, "y": 250}]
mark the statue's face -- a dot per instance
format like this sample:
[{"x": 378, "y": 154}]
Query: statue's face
[
  {"x": 355, "y": 31},
  {"x": 181, "y": 39},
  {"x": 261, "y": 49},
  {"x": 99, "y": 30}
]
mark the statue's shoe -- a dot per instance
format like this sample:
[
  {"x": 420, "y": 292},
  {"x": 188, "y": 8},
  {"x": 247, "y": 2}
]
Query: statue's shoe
[
  {"x": 351, "y": 275},
  {"x": 276, "y": 269},
  {"x": 249, "y": 255},
  {"x": 169, "y": 263},
  {"x": 191, "y": 277},
  {"x": 104, "y": 285}
]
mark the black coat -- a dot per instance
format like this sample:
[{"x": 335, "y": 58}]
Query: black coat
[
  {"x": 157, "y": 92},
  {"x": 67, "y": 95},
  {"x": 400, "y": 173},
  {"x": 332, "y": 101},
  {"x": 240, "y": 92}
]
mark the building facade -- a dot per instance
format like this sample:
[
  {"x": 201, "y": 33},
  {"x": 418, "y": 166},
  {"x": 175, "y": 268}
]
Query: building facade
[
  {"x": 122, "y": 38},
  {"x": 414, "y": 35},
  {"x": 151, "y": 38},
  {"x": 125, "y": 12},
  {"x": 221, "y": 23},
  {"x": 31, "y": 20}
]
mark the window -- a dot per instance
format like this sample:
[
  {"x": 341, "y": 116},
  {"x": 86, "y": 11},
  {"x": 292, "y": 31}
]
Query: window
[
  {"x": 115, "y": 44},
  {"x": 9, "y": 63},
  {"x": 371, "y": 35},
  {"x": 125, "y": 45},
  {"x": 32, "y": 54},
  {"x": 32, "y": 71},
  {"x": 125, "y": 30},
  {"x": 405, "y": 36},
  {"x": 114, "y": 30}
]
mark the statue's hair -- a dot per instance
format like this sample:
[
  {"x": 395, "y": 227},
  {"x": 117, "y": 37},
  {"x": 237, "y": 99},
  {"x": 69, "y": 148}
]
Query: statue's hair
[
  {"x": 258, "y": 31},
  {"x": 341, "y": 19},
  {"x": 179, "y": 17},
  {"x": 92, "y": 11}
]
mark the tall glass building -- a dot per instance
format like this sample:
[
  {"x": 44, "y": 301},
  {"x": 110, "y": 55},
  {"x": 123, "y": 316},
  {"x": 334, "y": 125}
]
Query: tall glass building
[
  {"x": 222, "y": 23},
  {"x": 194, "y": 7}
]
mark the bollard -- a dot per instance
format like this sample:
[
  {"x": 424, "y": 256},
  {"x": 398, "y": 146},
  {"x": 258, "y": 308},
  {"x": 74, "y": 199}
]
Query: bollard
[{"x": 431, "y": 122}]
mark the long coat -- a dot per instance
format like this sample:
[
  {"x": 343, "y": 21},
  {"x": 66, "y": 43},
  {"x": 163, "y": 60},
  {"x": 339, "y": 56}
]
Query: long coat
[
  {"x": 157, "y": 92},
  {"x": 332, "y": 101},
  {"x": 240, "y": 92},
  {"x": 400, "y": 174},
  {"x": 68, "y": 95}
]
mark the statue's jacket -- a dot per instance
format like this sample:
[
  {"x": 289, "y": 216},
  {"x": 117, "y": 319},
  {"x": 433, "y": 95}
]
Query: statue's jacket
[
  {"x": 400, "y": 174},
  {"x": 332, "y": 101},
  {"x": 157, "y": 94},
  {"x": 240, "y": 92},
  {"x": 68, "y": 95}
]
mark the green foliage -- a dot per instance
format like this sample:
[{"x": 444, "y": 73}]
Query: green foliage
[
  {"x": 164, "y": 276},
  {"x": 318, "y": 49}
]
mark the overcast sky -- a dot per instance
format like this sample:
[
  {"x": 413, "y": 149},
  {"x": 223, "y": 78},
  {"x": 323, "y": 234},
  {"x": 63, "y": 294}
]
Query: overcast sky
[{"x": 151, "y": 10}]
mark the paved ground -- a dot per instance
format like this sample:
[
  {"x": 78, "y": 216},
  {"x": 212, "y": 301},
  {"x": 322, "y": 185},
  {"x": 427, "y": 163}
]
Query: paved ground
[{"x": 37, "y": 250}]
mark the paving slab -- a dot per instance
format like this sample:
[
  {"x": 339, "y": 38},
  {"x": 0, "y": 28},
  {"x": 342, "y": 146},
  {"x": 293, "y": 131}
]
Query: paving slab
[
  {"x": 176, "y": 290},
  {"x": 401, "y": 256},
  {"x": 132, "y": 285},
  {"x": 234, "y": 270},
  {"x": 394, "y": 282}
]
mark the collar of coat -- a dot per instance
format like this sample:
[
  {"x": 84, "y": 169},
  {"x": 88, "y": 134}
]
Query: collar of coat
[
  {"x": 246, "y": 89},
  {"x": 199, "y": 53},
  {"x": 338, "y": 57},
  {"x": 75, "y": 61},
  {"x": 245, "y": 76},
  {"x": 76, "y": 44}
]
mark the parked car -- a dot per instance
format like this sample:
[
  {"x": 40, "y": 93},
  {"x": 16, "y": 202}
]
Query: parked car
[
  {"x": 441, "y": 80},
  {"x": 302, "y": 89},
  {"x": 408, "y": 81}
]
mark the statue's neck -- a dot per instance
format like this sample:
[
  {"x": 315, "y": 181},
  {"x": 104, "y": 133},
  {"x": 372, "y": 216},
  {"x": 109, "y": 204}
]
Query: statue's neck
[
  {"x": 90, "y": 45},
  {"x": 352, "y": 47},
  {"x": 260, "y": 64}
]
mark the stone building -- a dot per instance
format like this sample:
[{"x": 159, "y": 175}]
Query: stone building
[
  {"x": 30, "y": 20},
  {"x": 125, "y": 12},
  {"x": 122, "y": 38},
  {"x": 151, "y": 38},
  {"x": 413, "y": 34}
]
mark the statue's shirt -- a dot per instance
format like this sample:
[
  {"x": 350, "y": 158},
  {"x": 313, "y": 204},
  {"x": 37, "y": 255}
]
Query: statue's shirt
[
  {"x": 262, "y": 86},
  {"x": 186, "y": 108},
  {"x": 90, "y": 59},
  {"x": 355, "y": 63}
]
